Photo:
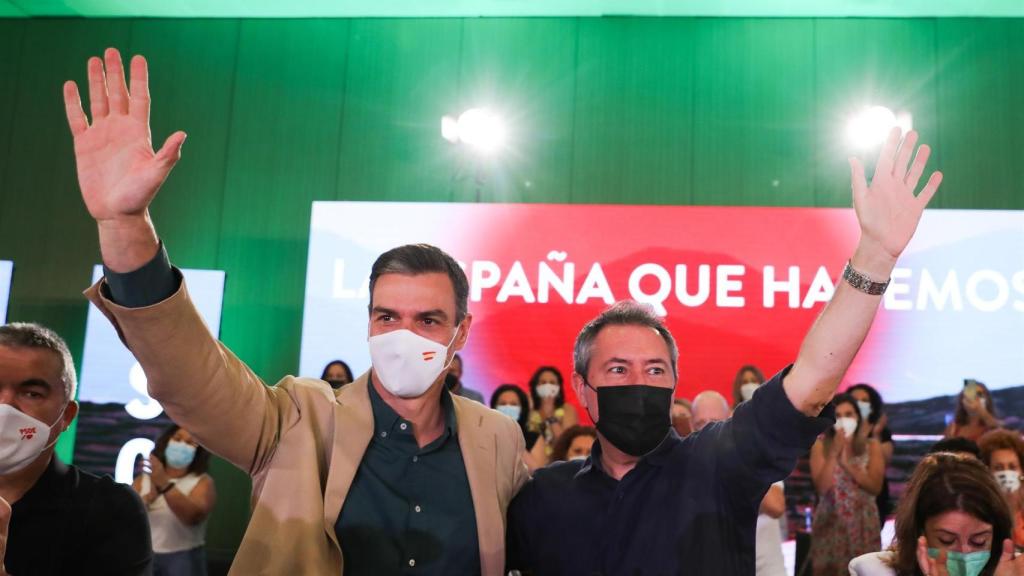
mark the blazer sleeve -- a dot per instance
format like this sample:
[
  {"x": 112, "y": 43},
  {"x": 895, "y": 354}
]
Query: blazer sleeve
[{"x": 202, "y": 386}]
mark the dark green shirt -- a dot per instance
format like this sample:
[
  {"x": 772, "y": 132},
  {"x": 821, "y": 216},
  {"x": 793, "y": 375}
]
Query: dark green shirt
[{"x": 409, "y": 510}]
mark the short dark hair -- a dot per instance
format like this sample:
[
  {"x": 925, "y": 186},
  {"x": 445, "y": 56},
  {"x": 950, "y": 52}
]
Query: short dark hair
[
  {"x": 622, "y": 313},
  {"x": 344, "y": 367},
  {"x": 200, "y": 464},
  {"x": 29, "y": 335},
  {"x": 941, "y": 483},
  {"x": 414, "y": 259},
  {"x": 956, "y": 445}
]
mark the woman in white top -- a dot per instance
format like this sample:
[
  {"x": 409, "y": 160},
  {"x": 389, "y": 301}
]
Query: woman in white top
[
  {"x": 179, "y": 496},
  {"x": 952, "y": 520}
]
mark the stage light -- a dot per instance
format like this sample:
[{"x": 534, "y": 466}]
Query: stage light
[
  {"x": 478, "y": 128},
  {"x": 450, "y": 129},
  {"x": 870, "y": 127}
]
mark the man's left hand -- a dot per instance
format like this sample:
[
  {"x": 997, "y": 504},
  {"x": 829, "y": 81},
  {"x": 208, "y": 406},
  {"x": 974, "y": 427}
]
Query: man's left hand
[{"x": 888, "y": 210}]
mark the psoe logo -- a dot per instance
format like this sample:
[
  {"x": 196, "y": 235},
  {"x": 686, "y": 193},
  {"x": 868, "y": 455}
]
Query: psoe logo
[{"x": 27, "y": 433}]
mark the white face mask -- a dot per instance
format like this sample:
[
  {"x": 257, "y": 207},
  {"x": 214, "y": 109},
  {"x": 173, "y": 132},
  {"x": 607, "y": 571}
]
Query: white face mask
[
  {"x": 579, "y": 458},
  {"x": 1009, "y": 480},
  {"x": 22, "y": 438},
  {"x": 547, "y": 390},
  {"x": 865, "y": 409},
  {"x": 407, "y": 363},
  {"x": 748, "y": 389},
  {"x": 847, "y": 425}
]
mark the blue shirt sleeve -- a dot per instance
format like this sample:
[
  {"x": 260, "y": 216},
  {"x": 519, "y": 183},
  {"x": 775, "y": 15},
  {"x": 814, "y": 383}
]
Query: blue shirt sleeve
[
  {"x": 154, "y": 282},
  {"x": 761, "y": 443}
]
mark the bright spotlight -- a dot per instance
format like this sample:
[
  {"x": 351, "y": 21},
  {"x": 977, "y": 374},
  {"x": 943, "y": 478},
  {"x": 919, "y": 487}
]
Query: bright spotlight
[
  {"x": 479, "y": 128},
  {"x": 871, "y": 126}
]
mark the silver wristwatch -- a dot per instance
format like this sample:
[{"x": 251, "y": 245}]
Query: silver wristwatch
[{"x": 862, "y": 282}]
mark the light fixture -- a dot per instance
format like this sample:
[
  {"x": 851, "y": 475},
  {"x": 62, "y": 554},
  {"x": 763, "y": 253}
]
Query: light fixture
[
  {"x": 479, "y": 128},
  {"x": 871, "y": 126}
]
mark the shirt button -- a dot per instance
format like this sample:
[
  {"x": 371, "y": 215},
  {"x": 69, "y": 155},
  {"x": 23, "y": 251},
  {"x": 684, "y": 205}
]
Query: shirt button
[
  {"x": 403, "y": 426},
  {"x": 418, "y": 509},
  {"x": 412, "y": 562},
  {"x": 415, "y": 458},
  {"x": 383, "y": 434}
]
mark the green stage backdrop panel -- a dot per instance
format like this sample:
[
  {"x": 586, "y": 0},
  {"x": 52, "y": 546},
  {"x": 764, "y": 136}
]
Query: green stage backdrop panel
[
  {"x": 890, "y": 62},
  {"x": 981, "y": 94},
  {"x": 749, "y": 75},
  {"x": 623, "y": 110},
  {"x": 402, "y": 77},
  {"x": 527, "y": 68},
  {"x": 633, "y": 134}
]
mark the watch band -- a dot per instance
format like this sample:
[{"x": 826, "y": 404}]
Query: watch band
[{"x": 862, "y": 282}]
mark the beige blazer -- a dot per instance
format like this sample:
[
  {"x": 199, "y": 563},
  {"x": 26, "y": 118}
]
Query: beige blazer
[{"x": 301, "y": 441}]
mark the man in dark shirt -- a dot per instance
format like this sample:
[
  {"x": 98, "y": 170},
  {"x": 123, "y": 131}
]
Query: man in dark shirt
[
  {"x": 62, "y": 520},
  {"x": 647, "y": 502}
]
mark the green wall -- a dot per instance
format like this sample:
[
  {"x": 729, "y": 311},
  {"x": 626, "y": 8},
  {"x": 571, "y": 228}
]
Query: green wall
[{"x": 605, "y": 110}]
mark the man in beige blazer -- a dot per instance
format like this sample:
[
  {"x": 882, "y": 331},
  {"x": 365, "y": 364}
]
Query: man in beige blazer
[{"x": 412, "y": 478}]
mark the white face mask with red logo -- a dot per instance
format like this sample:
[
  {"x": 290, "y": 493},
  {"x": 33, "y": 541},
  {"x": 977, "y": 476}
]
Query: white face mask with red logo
[
  {"x": 406, "y": 363},
  {"x": 22, "y": 438}
]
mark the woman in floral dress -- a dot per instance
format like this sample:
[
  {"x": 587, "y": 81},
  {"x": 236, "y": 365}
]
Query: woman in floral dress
[{"x": 847, "y": 469}]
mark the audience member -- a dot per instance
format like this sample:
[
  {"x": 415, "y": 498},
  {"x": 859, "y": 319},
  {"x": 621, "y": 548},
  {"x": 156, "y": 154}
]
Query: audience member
[
  {"x": 63, "y": 520},
  {"x": 574, "y": 444},
  {"x": 847, "y": 472},
  {"x": 682, "y": 417},
  {"x": 975, "y": 413},
  {"x": 179, "y": 496},
  {"x": 511, "y": 401},
  {"x": 708, "y": 407},
  {"x": 748, "y": 379},
  {"x": 952, "y": 520},
  {"x": 550, "y": 415},
  {"x": 456, "y": 386},
  {"x": 956, "y": 446},
  {"x": 1003, "y": 452},
  {"x": 872, "y": 410},
  {"x": 337, "y": 374}
]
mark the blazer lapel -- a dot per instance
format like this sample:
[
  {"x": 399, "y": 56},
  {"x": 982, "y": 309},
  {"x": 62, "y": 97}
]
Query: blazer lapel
[
  {"x": 353, "y": 430},
  {"x": 480, "y": 457}
]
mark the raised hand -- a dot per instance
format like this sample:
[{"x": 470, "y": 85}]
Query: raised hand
[
  {"x": 1008, "y": 564},
  {"x": 118, "y": 171},
  {"x": 888, "y": 209},
  {"x": 930, "y": 566}
]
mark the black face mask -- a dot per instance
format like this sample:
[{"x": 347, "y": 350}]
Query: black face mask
[
  {"x": 336, "y": 383},
  {"x": 635, "y": 418}
]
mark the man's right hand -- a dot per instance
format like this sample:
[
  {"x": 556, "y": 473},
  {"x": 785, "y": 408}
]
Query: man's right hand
[{"x": 118, "y": 171}]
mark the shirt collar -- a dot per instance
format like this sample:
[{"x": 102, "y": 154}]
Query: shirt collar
[
  {"x": 657, "y": 457},
  {"x": 385, "y": 418}
]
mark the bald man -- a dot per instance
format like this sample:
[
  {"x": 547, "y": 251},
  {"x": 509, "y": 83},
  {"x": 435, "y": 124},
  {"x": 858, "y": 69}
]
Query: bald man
[{"x": 709, "y": 406}]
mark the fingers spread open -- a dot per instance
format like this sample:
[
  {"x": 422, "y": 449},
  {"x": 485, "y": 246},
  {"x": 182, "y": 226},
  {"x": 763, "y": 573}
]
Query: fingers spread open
[
  {"x": 97, "y": 89},
  {"x": 887, "y": 156},
  {"x": 117, "y": 90},
  {"x": 139, "y": 102},
  {"x": 73, "y": 107},
  {"x": 899, "y": 169}
]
